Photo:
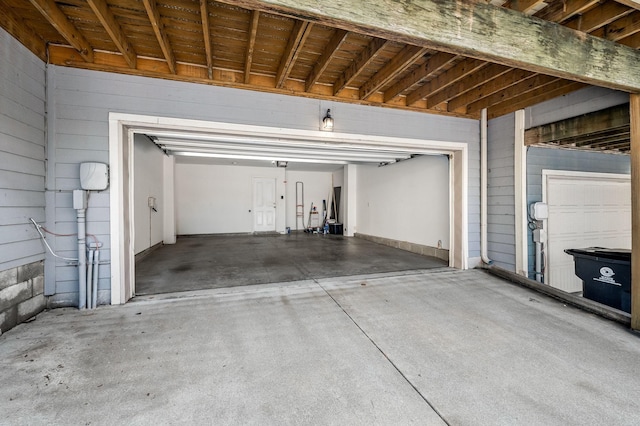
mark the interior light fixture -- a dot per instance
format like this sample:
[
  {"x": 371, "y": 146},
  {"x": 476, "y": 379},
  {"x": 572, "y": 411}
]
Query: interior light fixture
[{"x": 327, "y": 122}]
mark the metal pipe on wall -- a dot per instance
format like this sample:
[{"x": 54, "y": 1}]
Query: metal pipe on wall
[
  {"x": 96, "y": 275},
  {"x": 484, "y": 183},
  {"x": 82, "y": 260}
]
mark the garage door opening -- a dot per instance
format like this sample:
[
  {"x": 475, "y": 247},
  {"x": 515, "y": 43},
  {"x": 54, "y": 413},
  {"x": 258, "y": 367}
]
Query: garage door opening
[{"x": 201, "y": 140}]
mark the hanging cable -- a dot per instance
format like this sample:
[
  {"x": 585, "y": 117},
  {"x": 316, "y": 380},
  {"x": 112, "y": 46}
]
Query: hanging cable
[{"x": 39, "y": 228}]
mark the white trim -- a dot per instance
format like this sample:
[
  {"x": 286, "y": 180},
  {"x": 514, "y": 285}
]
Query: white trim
[
  {"x": 124, "y": 125},
  {"x": 520, "y": 194}
]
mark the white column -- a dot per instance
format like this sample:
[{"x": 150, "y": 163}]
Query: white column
[{"x": 350, "y": 201}]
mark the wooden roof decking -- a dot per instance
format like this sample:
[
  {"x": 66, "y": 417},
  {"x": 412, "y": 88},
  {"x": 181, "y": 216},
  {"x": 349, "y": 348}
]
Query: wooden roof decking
[{"x": 237, "y": 43}]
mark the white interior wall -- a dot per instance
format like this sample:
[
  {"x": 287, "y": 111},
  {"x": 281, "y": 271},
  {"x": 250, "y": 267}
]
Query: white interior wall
[
  {"x": 218, "y": 199},
  {"x": 147, "y": 182},
  {"x": 406, "y": 201},
  {"x": 338, "y": 180},
  {"x": 316, "y": 188}
]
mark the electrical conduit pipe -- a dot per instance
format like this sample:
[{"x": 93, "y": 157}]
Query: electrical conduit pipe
[{"x": 484, "y": 184}]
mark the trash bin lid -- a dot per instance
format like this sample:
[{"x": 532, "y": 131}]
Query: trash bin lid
[{"x": 622, "y": 255}]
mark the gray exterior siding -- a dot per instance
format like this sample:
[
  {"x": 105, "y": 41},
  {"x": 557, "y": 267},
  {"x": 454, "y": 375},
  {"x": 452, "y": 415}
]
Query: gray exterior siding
[
  {"x": 80, "y": 102},
  {"x": 539, "y": 159},
  {"x": 22, "y": 153},
  {"x": 500, "y": 193}
]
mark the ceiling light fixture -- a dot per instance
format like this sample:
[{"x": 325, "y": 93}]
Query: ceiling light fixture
[{"x": 327, "y": 122}]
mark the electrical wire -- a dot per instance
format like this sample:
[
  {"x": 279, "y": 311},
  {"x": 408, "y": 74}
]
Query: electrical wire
[{"x": 39, "y": 228}]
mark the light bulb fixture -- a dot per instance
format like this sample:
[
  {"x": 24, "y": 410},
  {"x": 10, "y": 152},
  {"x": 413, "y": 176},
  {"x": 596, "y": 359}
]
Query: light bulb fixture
[{"x": 327, "y": 122}]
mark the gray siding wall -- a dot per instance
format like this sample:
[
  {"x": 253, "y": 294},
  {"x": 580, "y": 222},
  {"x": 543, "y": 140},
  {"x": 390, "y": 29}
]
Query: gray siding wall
[
  {"x": 22, "y": 182},
  {"x": 539, "y": 159},
  {"x": 81, "y": 100},
  {"x": 500, "y": 195}
]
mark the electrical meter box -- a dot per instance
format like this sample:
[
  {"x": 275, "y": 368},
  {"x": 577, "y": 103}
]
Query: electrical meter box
[{"x": 94, "y": 176}]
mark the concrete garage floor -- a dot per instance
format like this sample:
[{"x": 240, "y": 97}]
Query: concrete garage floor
[
  {"x": 203, "y": 262},
  {"x": 423, "y": 347}
]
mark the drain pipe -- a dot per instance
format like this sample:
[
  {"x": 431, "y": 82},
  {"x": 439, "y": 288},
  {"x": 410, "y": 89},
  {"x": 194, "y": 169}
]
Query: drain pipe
[
  {"x": 96, "y": 275},
  {"x": 80, "y": 205},
  {"x": 89, "y": 278},
  {"x": 484, "y": 184}
]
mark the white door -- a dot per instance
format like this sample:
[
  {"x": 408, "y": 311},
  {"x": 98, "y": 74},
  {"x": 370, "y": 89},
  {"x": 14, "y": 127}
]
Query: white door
[
  {"x": 264, "y": 204},
  {"x": 585, "y": 210}
]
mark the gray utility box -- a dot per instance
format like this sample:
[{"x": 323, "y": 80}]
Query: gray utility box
[{"x": 605, "y": 275}]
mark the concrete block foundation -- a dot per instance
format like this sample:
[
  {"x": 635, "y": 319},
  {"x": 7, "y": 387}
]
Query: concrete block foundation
[{"x": 21, "y": 294}]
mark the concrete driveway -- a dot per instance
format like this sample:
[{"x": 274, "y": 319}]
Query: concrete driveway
[{"x": 420, "y": 347}]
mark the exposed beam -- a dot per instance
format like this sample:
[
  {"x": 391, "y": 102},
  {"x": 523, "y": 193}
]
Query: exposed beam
[
  {"x": 253, "y": 31},
  {"x": 541, "y": 94},
  {"x": 478, "y": 30},
  {"x": 591, "y": 123},
  {"x": 364, "y": 58},
  {"x": 206, "y": 35},
  {"x": 570, "y": 9},
  {"x": 496, "y": 85},
  {"x": 517, "y": 90},
  {"x": 483, "y": 76},
  {"x": 330, "y": 50},
  {"x": 635, "y": 211},
  {"x": 526, "y": 6},
  {"x": 435, "y": 63},
  {"x": 398, "y": 64},
  {"x": 299, "y": 34},
  {"x": 23, "y": 33},
  {"x": 50, "y": 10},
  {"x": 444, "y": 80},
  {"x": 110, "y": 24},
  {"x": 599, "y": 16},
  {"x": 158, "y": 28},
  {"x": 623, "y": 28}
]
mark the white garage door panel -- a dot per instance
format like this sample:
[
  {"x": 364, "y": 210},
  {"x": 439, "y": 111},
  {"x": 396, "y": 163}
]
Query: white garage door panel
[{"x": 585, "y": 210}]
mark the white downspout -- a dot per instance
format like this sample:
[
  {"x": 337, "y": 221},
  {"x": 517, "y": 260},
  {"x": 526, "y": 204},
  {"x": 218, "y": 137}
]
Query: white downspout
[
  {"x": 484, "y": 183},
  {"x": 80, "y": 205},
  {"x": 96, "y": 276}
]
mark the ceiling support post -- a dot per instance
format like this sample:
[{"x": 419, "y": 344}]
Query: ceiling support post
[{"x": 635, "y": 210}]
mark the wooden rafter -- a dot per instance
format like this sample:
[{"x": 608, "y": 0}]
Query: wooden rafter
[
  {"x": 526, "y": 6},
  {"x": 494, "y": 86},
  {"x": 570, "y": 9},
  {"x": 206, "y": 35},
  {"x": 253, "y": 31},
  {"x": 50, "y": 10},
  {"x": 329, "y": 52},
  {"x": 458, "y": 72},
  {"x": 468, "y": 83},
  {"x": 510, "y": 93},
  {"x": 299, "y": 34},
  {"x": 599, "y": 16},
  {"x": 23, "y": 33},
  {"x": 435, "y": 63},
  {"x": 161, "y": 35},
  {"x": 110, "y": 24},
  {"x": 391, "y": 69},
  {"x": 364, "y": 58},
  {"x": 623, "y": 28}
]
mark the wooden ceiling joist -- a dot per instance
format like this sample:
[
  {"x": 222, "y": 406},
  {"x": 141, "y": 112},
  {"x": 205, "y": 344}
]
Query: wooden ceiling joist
[
  {"x": 329, "y": 52},
  {"x": 253, "y": 31},
  {"x": 204, "y": 16},
  {"x": 23, "y": 33},
  {"x": 112, "y": 27},
  {"x": 161, "y": 35},
  {"x": 50, "y": 10},
  {"x": 356, "y": 67},
  {"x": 434, "y": 64},
  {"x": 598, "y": 17},
  {"x": 299, "y": 34},
  {"x": 394, "y": 67}
]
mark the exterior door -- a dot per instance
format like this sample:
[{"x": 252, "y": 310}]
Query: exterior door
[{"x": 264, "y": 204}]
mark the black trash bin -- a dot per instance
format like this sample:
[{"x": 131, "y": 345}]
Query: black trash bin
[{"x": 605, "y": 275}]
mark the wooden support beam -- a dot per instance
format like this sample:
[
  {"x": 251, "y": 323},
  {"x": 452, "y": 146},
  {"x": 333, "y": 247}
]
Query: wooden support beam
[
  {"x": 634, "y": 101},
  {"x": 23, "y": 33},
  {"x": 623, "y": 28},
  {"x": 110, "y": 24},
  {"x": 253, "y": 31},
  {"x": 527, "y": 7},
  {"x": 506, "y": 80},
  {"x": 299, "y": 34},
  {"x": 570, "y": 9},
  {"x": 478, "y": 30},
  {"x": 599, "y": 16},
  {"x": 364, "y": 58},
  {"x": 435, "y": 63},
  {"x": 206, "y": 35},
  {"x": 158, "y": 28},
  {"x": 329, "y": 52},
  {"x": 591, "y": 123},
  {"x": 553, "y": 90},
  {"x": 480, "y": 78},
  {"x": 517, "y": 90},
  {"x": 50, "y": 10},
  {"x": 398, "y": 64},
  {"x": 446, "y": 79}
]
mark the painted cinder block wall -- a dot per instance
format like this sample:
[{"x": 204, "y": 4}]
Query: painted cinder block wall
[{"x": 22, "y": 182}]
